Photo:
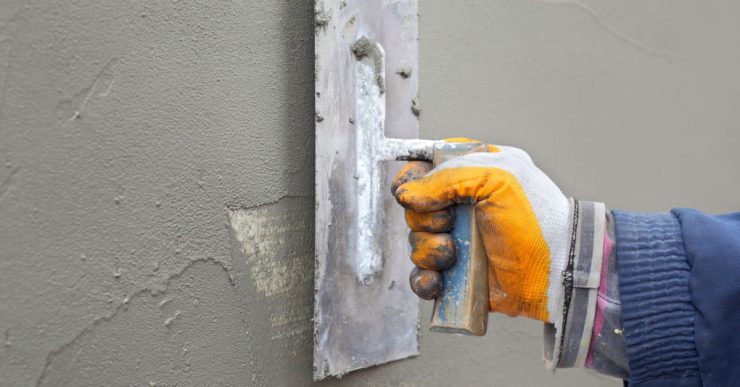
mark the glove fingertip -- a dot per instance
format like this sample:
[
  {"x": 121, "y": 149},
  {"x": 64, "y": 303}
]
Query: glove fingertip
[
  {"x": 427, "y": 284},
  {"x": 411, "y": 196},
  {"x": 411, "y": 171}
]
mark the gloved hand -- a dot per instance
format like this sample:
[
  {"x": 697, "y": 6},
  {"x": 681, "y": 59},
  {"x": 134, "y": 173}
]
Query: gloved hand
[{"x": 522, "y": 218}]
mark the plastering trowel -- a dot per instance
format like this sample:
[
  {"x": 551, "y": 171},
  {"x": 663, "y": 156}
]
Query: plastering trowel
[{"x": 365, "y": 313}]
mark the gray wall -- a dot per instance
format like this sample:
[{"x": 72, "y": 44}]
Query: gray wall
[{"x": 156, "y": 177}]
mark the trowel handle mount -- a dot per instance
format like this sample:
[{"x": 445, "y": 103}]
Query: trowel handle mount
[{"x": 462, "y": 307}]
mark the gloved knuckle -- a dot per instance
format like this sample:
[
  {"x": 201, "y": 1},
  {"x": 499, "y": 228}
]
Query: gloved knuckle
[
  {"x": 432, "y": 251},
  {"x": 427, "y": 284}
]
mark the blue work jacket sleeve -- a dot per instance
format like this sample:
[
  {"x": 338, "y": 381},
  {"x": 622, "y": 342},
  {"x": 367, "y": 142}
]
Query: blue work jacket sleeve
[{"x": 679, "y": 283}]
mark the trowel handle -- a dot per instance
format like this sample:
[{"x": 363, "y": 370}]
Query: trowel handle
[{"x": 463, "y": 305}]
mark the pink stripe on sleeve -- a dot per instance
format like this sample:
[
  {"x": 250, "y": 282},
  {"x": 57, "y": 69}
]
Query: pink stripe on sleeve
[{"x": 600, "y": 299}]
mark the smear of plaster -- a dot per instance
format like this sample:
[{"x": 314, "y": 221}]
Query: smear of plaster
[
  {"x": 277, "y": 242},
  {"x": 611, "y": 29},
  {"x": 122, "y": 306},
  {"x": 364, "y": 47},
  {"x": 404, "y": 72},
  {"x": 268, "y": 236},
  {"x": 322, "y": 18}
]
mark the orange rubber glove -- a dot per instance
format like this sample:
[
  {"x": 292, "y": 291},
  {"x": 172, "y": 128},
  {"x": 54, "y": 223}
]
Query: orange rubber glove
[{"x": 522, "y": 217}]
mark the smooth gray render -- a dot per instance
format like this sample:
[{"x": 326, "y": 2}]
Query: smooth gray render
[{"x": 156, "y": 171}]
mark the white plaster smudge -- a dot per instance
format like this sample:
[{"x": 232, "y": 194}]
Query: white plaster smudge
[
  {"x": 270, "y": 237},
  {"x": 275, "y": 239},
  {"x": 372, "y": 148},
  {"x": 370, "y": 110}
]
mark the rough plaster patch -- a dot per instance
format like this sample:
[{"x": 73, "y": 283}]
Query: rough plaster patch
[
  {"x": 270, "y": 238},
  {"x": 277, "y": 242}
]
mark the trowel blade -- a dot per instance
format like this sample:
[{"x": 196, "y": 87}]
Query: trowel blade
[{"x": 358, "y": 324}]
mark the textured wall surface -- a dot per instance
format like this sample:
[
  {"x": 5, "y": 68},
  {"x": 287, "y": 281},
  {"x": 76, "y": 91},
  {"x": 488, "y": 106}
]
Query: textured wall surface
[
  {"x": 132, "y": 136},
  {"x": 156, "y": 170}
]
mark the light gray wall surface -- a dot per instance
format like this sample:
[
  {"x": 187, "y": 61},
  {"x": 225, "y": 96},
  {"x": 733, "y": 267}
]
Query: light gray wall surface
[{"x": 156, "y": 172}]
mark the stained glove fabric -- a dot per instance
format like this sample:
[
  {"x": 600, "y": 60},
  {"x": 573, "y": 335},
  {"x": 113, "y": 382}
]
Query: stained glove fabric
[{"x": 521, "y": 214}]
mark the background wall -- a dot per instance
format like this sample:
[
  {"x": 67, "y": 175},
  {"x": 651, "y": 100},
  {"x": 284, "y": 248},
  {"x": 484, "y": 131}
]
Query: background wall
[{"x": 156, "y": 177}]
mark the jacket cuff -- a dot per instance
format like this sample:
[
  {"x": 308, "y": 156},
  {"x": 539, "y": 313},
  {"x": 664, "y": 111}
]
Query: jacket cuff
[
  {"x": 566, "y": 341},
  {"x": 657, "y": 313},
  {"x": 607, "y": 353}
]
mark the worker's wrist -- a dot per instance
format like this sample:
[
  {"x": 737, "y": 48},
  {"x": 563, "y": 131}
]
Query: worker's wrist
[
  {"x": 567, "y": 338},
  {"x": 607, "y": 352}
]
